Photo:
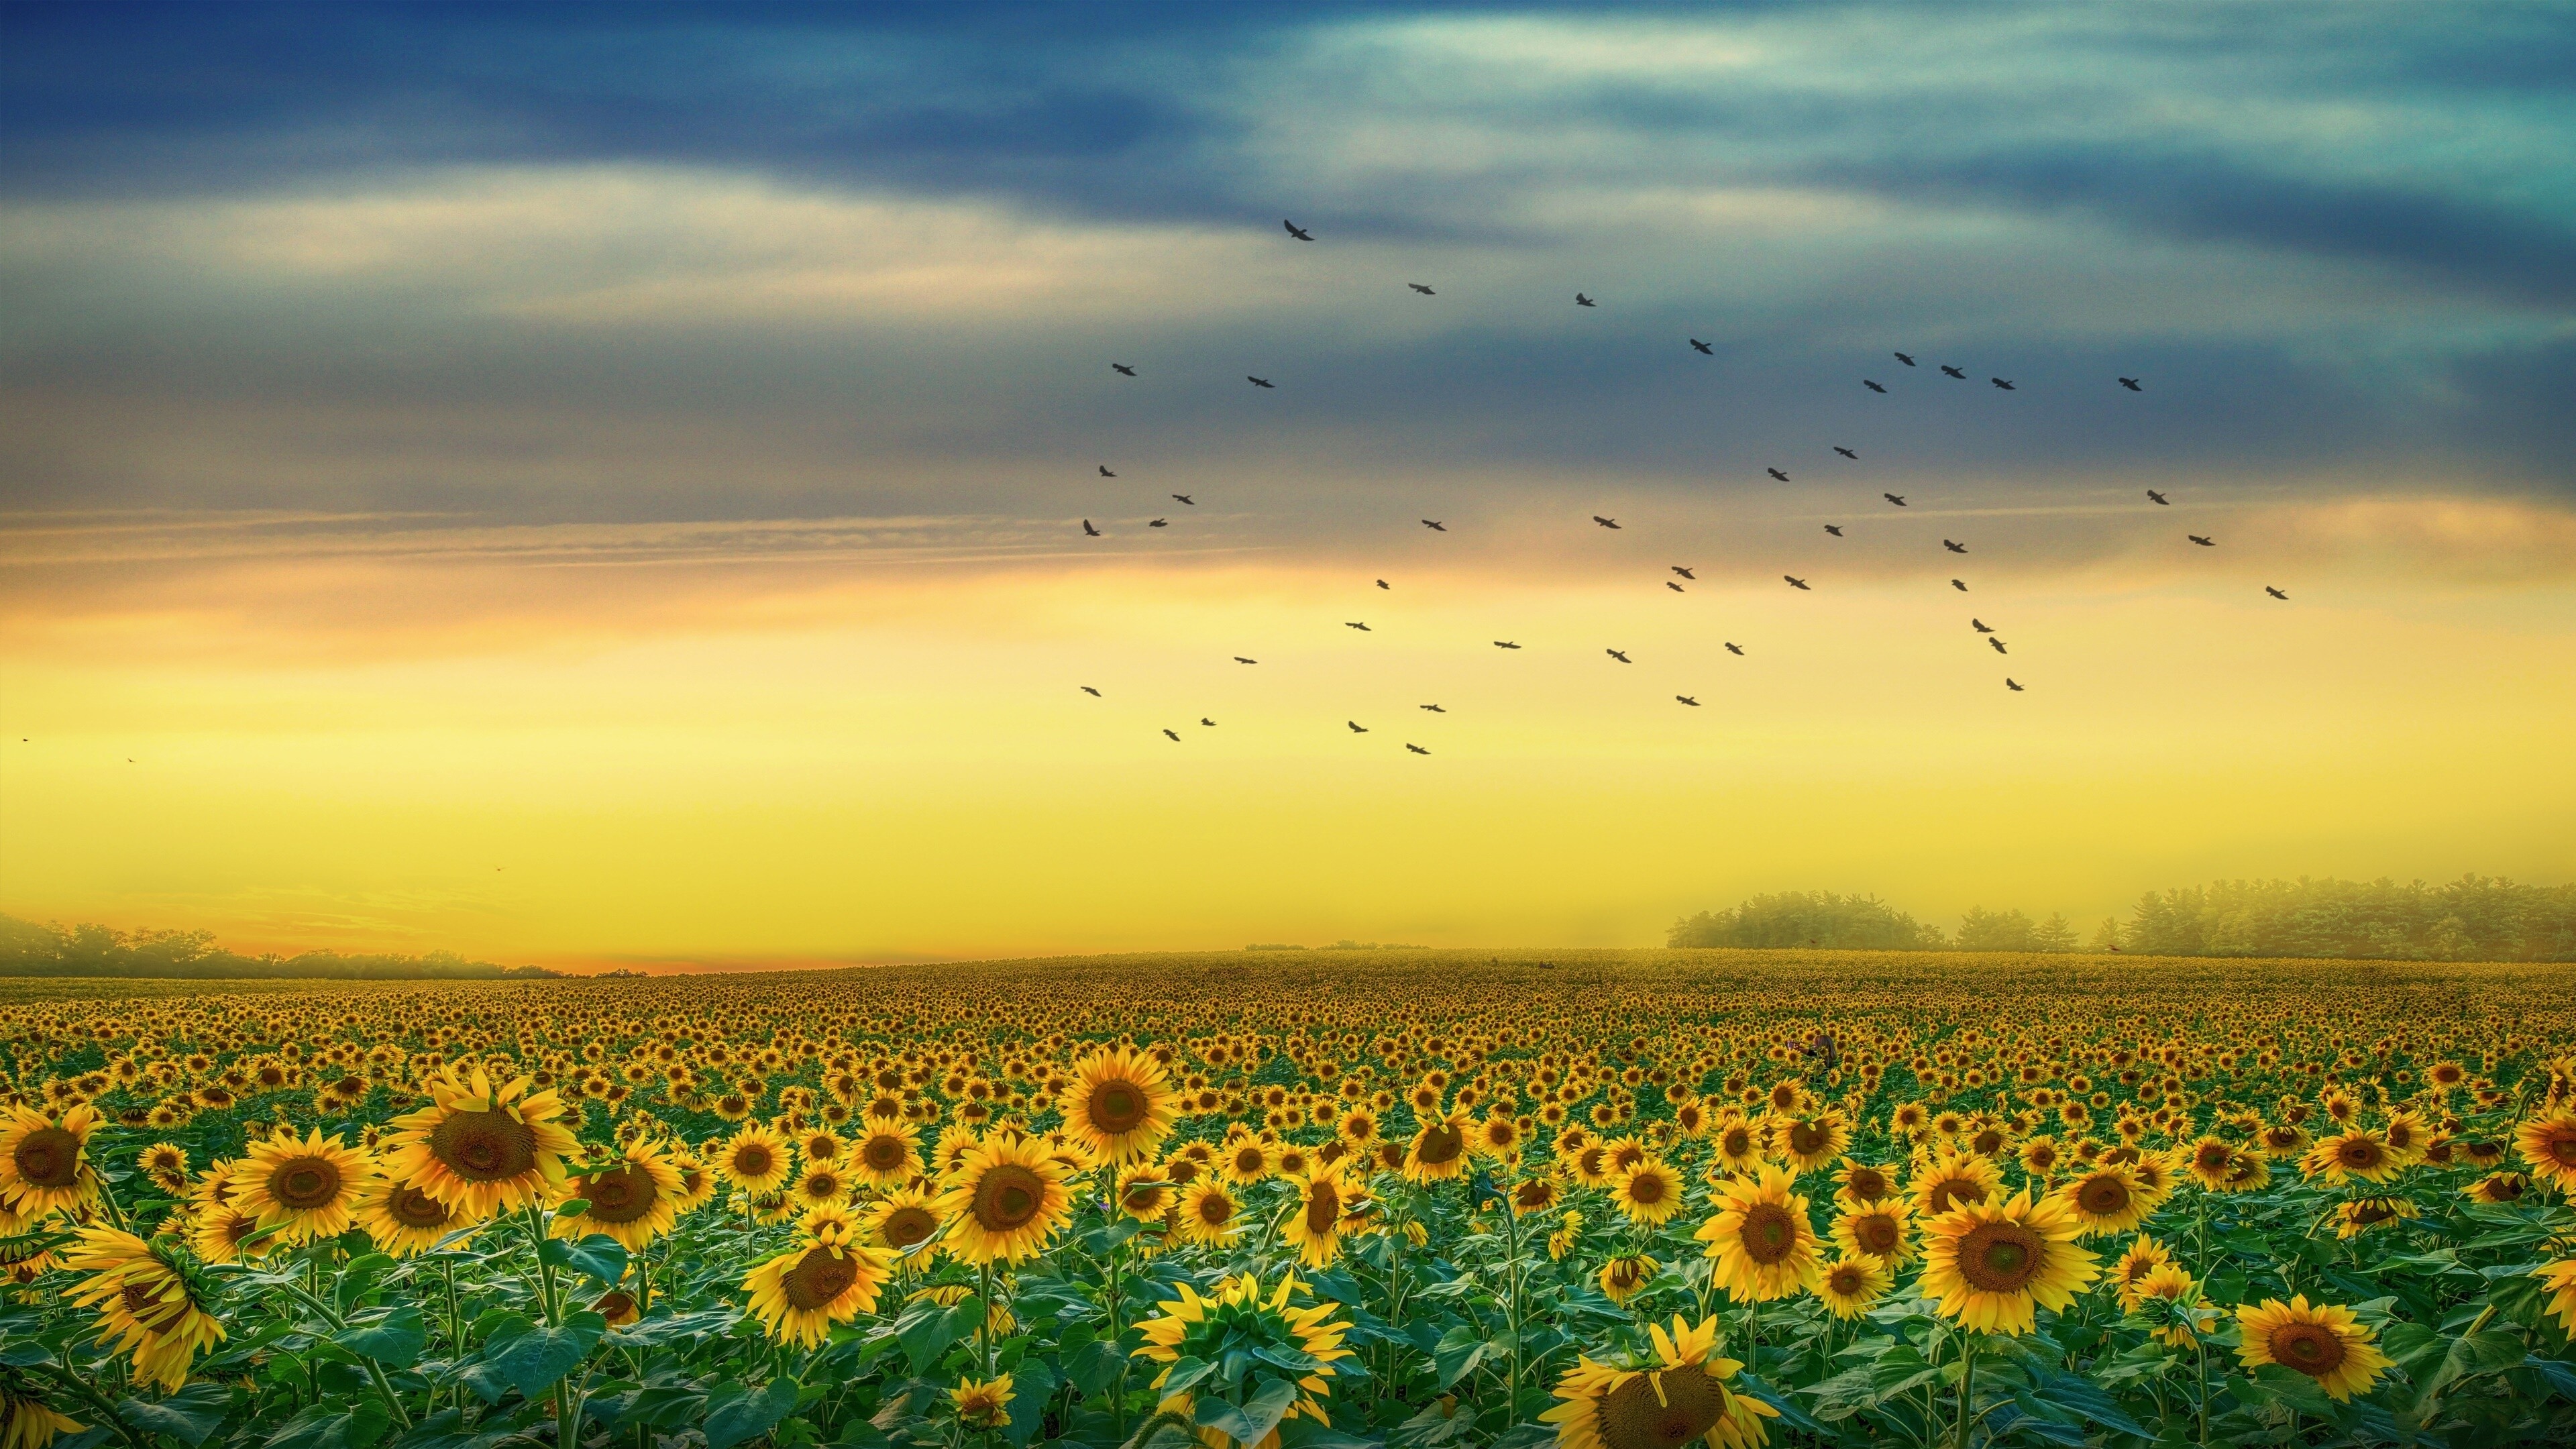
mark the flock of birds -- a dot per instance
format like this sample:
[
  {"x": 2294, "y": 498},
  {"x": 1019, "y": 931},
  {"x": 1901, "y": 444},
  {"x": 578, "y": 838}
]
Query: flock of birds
[{"x": 1977, "y": 625}]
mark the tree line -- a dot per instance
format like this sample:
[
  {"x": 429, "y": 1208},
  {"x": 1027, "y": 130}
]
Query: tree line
[
  {"x": 2474, "y": 918},
  {"x": 30, "y": 949}
]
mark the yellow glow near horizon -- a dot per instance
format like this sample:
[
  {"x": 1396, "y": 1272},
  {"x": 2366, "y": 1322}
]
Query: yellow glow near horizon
[{"x": 680, "y": 764}]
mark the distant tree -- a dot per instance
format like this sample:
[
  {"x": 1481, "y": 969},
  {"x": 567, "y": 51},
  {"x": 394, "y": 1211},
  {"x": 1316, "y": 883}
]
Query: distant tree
[
  {"x": 1808, "y": 918},
  {"x": 2054, "y": 934},
  {"x": 1984, "y": 930},
  {"x": 2106, "y": 936},
  {"x": 29, "y": 949}
]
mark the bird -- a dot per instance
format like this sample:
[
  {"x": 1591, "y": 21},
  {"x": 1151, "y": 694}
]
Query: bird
[
  {"x": 1998, "y": 646},
  {"x": 1794, "y": 581},
  {"x": 1435, "y": 709},
  {"x": 1160, "y": 523},
  {"x": 1954, "y": 372},
  {"x": 1704, "y": 347},
  {"x": 1087, "y": 689},
  {"x": 1363, "y": 628},
  {"x": 2275, "y": 593},
  {"x": 1435, "y": 525},
  {"x": 1776, "y": 473},
  {"x": 1167, "y": 734},
  {"x": 1605, "y": 522},
  {"x": 1505, "y": 644},
  {"x": 1905, "y": 358},
  {"x": 1960, "y": 584},
  {"x": 1896, "y": 499},
  {"x": 1686, "y": 699},
  {"x": 1581, "y": 300},
  {"x": 1676, "y": 588},
  {"x": 2160, "y": 498},
  {"x": 1299, "y": 232},
  {"x": 1954, "y": 546},
  {"x": 1732, "y": 648},
  {"x": 1239, "y": 659},
  {"x": 1426, "y": 291},
  {"x": 1089, "y": 530},
  {"x": 2203, "y": 542},
  {"x": 1620, "y": 655},
  {"x": 1356, "y": 727},
  {"x": 2131, "y": 384},
  {"x": 1685, "y": 573},
  {"x": 1383, "y": 584},
  {"x": 1417, "y": 749},
  {"x": 1833, "y": 529},
  {"x": 1872, "y": 386},
  {"x": 1258, "y": 381},
  {"x": 2009, "y": 684},
  {"x": 2001, "y": 383},
  {"x": 1122, "y": 367},
  {"x": 1205, "y": 720},
  {"x": 1979, "y": 625},
  {"x": 1105, "y": 473},
  {"x": 1846, "y": 452},
  {"x": 1185, "y": 498}
]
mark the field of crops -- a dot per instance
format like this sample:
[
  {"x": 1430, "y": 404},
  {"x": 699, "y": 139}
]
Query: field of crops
[{"x": 1305, "y": 1200}]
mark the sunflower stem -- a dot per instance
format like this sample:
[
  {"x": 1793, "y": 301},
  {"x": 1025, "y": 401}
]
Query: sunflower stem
[
  {"x": 984, "y": 1327},
  {"x": 1967, "y": 1388}
]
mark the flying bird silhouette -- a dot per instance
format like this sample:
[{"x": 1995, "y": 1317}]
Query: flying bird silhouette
[
  {"x": 1872, "y": 386},
  {"x": 2009, "y": 684},
  {"x": 1905, "y": 358},
  {"x": 1417, "y": 749},
  {"x": 1833, "y": 529},
  {"x": 2160, "y": 498},
  {"x": 1979, "y": 625},
  {"x": 1258, "y": 381},
  {"x": 1505, "y": 644},
  {"x": 1105, "y": 473},
  {"x": 1732, "y": 649},
  {"x": 1605, "y": 522},
  {"x": 1954, "y": 545},
  {"x": 1620, "y": 655},
  {"x": 1776, "y": 473},
  {"x": 1382, "y": 584},
  {"x": 1185, "y": 498},
  {"x": 1435, "y": 709},
  {"x": 1686, "y": 699},
  {"x": 1088, "y": 530},
  {"x": 1960, "y": 584},
  {"x": 1704, "y": 347},
  {"x": 1160, "y": 523},
  {"x": 1122, "y": 367},
  {"x": 1426, "y": 291},
  {"x": 1953, "y": 372},
  {"x": 1363, "y": 628},
  {"x": 2275, "y": 593},
  {"x": 1581, "y": 300},
  {"x": 1998, "y": 646},
  {"x": 1893, "y": 498},
  {"x": 1435, "y": 525},
  {"x": 1167, "y": 734},
  {"x": 1087, "y": 689},
  {"x": 1239, "y": 659},
  {"x": 2203, "y": 542},
  {"x": 1794, "y": 581},
  {"x": 1676, "y": 588},
  {"x": 1846, "y": 452},
  {"x": 1356, "y": 727},
  {"x": 1685, "y": 573},
  {"x": 1299, "y": 232},
  {"x": 2001, "y": 383},
  {"x": 2131, "y": 384},
  {"x": 1205, "y": 720}
]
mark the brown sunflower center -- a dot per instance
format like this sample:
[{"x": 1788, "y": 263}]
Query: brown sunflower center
[
  {"x": 1768, "y": 1233},
  {"x": 1440, "y": 1145},
  {"x": 140, "y": 1301},
  {"x": 1956, "y": 1190},
  {"x": 616, "y": 1305},
  {"x": 2210, "y": 1157},
  {"x": 1250, "y": 1162},
  {"x": 48, "y": 1157},
  {"x": 413, "y": 1208},
  {"x": 1735, "y": 1142},
  {"x": 820, "y": 1186},
  {"x": 1008, "y": 1196},
  {"x": 1988, "y": 1142},
  {"x": 1866, "y": 1183},
  {"x": 484, "y": 1146},
  {"x": 1806, "y": 1139},
  {"x": 818, "y": 1278},
  {"x": 1635, "y": 1416},
  {"x": 753, "y": 1159},
  {"x": 2372, "y": 1212},
  {"x": 1215, "y": 1209},
  {"x": 2561, "y": 1147},
  {"x": 1142, "y": 1197},
  {"x": 883, "y": 1152},
  {"x": 305, "y": 1183},
  {"x": 2311, "y": 1348},
  {"x": 619, "y": 1195},
  {"x": 2501, "y": 1189},
  {"x": 1647, "y": 1189},
  {"x": 2358, "y": 1153},
  {"x": 1323, "y": 1207},
  {"x": 2103, "y": 1196},
  {"x": 1876, "y": 1233},
  {"x": 1534, "y": 1195},
  {"x": 1846, "y": 1279},
  {"x": 906, "y": 1226},
  {"x": 1116, "y": 1107},
  {"x": 2000, "y": 1257}
]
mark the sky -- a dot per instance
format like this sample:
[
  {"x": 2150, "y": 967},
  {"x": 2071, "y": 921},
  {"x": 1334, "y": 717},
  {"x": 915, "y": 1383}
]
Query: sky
[{"x": 600, "y": 485}]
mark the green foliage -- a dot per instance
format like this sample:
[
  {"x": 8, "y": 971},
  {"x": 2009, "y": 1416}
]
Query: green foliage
[
  {"x": 1804, "y": 918},
  {"x": 29, "y": 949}
]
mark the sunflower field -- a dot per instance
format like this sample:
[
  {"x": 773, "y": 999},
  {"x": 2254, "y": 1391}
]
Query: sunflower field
[{"x": 1284, "y": 1201}]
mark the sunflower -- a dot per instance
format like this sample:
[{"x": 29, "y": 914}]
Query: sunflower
[
  {"x": 44, "y": 1168},
  {"x": 2040, "y": 1157},
  {"x": 27, "y": 1421},
  {"x": 2559, "y": 1279},
  {"x": 479, "y": 1148},
  {"x": 2106, "y": 1200},
  {"x": 2325, "y": 1342},
  {"x": 2547, "y": 1142},
  {"x": 1438, "y": 1151},
  {"x": 2282, "y": 1139},
  {"x": 1497, "y": 1136},
  {"x": 1763, "y": 1245},
  {"x": 1850, "y": 1287},
  {"x": 826, "y": 1278},
  {"x": 166, "y": 1163},
  {"x": 2144, "y": 1255},
  {"x": 1808, "y": 1142},
  {"x": 1684, "y": 1397},
  {"x": 902, "y": 1220},
  {"x": 2362, "y": 1215},
  {"x": 1863, "y": 1184},
  {"x": 982, "y": 1403},
  {"x": 755, "y": 1160},
  {"x": 145, "y": 1304},
  {"x": 633, "y": 1197},
  {"x": 399, "y": 1218},
  {"x": 1315, "y": 1228},
  {"x": 1002, "y": 1202},
  {"x": 1245, "y": 1159},
  {"x": 1209, "y": 1213},
  {"x": 2498, "y": 1187},
  {"x": 697, "y": 1181},
  {"x": 1884, "y": 1231},
  {"x": 1240, "y": 1316},
  {"x": 1538, "y": 1193},
  {"x": 1954, "y": 1178},
  {"x": 1990, "y": 1265},
  {"x": 1622, "y": 1277},
  {"x": 1738, "y": 1142},
  {"x": 2357, "y": 1152},
  {"x": 304, "y": 1189},
  {"x": 1120, "y": 1104},
  {"x": 1145, "y": 1193},
  {"x": 2170, "y": 1298},
  {"x": 999, "y": 1321},
  {"x": 1649, "y": 1192}
]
